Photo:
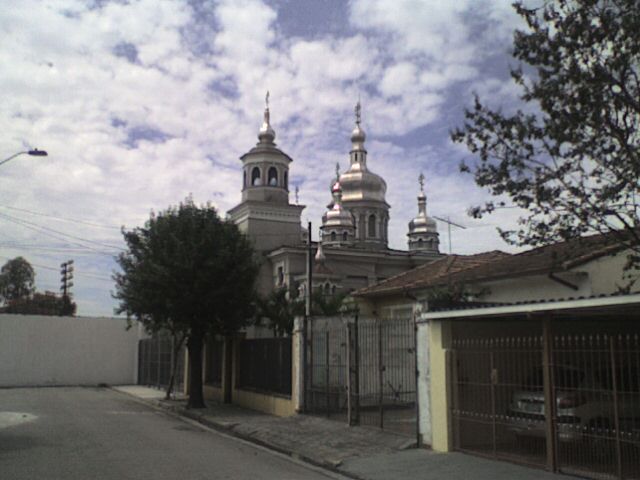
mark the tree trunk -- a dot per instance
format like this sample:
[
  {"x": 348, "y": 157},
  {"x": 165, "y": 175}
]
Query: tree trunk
[{"x": 195, "y": 344}]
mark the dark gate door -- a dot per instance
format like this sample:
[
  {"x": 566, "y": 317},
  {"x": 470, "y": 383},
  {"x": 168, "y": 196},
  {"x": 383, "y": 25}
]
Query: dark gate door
[
  {"x": 564, "y": 400},
  {"x": 363, "y": 371},
  {"x": 487, "y": 374}
]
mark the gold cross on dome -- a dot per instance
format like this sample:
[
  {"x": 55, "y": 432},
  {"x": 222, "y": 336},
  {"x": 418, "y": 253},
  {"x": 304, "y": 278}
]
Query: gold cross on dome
[
  {"x": 358, "y": 112},
  {"x": 421, "y": 181}
]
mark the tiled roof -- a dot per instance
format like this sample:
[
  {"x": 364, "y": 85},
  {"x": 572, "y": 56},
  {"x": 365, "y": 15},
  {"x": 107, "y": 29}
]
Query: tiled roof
[
  {"x": 556, "y": 257},
  {"x": 430, "y": 274}
]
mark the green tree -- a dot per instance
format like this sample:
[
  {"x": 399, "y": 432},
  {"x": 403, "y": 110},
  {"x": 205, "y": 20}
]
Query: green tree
[
  {"x": 47, "y": 303},
  {"x": 189, "y": 272},
  {"x": 572, "y": 159},
  {"x": 16, "y": 280},
  {"x": 279, "y": 309}
]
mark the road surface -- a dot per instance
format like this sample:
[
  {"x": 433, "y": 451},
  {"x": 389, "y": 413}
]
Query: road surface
[{"x": 95, "y": 433}]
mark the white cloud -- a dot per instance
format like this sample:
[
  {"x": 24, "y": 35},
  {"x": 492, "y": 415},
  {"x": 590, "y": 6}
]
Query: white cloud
[{"x": 137, "y": 111}]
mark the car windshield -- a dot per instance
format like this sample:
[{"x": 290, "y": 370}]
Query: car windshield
[{"x": 564, "y": 377}]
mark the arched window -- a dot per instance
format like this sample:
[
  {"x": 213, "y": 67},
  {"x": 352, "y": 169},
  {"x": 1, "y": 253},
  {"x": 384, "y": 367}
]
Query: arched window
[
  {"x": 286, "y": 180},
  {"x": 345, "y": 236},
  {"x": 333, "y": 290},
  {"x": 255, "y": 177},
  {"x": 327, "y": 288},
  {"x": 372, "y": 226},
  {"x": 333, "y": 236},
  {"x": 273, "y": 177},
  {"x": 244, "y": 179}
]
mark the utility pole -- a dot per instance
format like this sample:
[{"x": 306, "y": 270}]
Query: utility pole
[
  {"x": 306, "y": 363},
  {"x": 66, "y": 275},
  {"x": 449, "y": 223},
  {"x": 309, "y": 274}
]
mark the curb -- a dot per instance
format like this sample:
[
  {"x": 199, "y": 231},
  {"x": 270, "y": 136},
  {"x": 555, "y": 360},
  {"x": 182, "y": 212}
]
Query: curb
[{"x": 228, "y": 429}]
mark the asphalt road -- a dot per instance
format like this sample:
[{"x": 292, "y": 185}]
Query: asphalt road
[{"x": 93, "y": 433}]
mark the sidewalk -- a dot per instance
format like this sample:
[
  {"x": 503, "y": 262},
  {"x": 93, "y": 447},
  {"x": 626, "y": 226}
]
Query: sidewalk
[{"x": 357, "y": 452}]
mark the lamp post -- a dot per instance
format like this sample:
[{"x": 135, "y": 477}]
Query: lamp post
[{"x": 34, "y": 153}]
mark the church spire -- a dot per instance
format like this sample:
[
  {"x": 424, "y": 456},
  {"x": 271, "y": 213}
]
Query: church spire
[
  {"x": 266, "y": 134},
  {"x": 423, "y": 232},
  {"x": 358, "y": 154}
]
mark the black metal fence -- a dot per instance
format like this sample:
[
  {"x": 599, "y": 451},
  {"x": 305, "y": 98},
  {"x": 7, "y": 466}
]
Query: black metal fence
[
  {"x": 213, "y": 362},
  {"x": 363, "y": 371},
  {"x": 563, "y": 400},
  {"x": 265, "y": 365},
  {"x": 155, "y": 356}
]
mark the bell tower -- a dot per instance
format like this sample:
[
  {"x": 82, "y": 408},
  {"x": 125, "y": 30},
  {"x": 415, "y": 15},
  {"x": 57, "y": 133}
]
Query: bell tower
[{"x": 265, "y": 214}]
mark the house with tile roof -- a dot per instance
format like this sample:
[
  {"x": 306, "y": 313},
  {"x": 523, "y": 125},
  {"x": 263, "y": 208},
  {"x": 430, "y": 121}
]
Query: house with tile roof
[
  {"x": 534, "y": 361},
  {"x": 581, "y": 267}
]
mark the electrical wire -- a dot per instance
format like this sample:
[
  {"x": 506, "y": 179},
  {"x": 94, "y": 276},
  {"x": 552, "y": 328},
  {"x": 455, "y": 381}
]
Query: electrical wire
[
  {"x": 66, "y": 219},
  {"x": 55, "y": 269},
  {"x": 56, "y": 233}
]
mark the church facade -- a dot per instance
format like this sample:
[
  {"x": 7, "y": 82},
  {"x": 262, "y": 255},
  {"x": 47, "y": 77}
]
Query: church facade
[{"x": 352, "y": 251}]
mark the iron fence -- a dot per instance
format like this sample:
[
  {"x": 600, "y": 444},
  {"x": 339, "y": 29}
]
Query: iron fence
[
  {"x": 566, "y": 401},
  {"x": 363, "y": 371},
  {"x": 265, "y": 365},
  {"x": 155, "y": 357},
  {"x": 213, "y": 362}
]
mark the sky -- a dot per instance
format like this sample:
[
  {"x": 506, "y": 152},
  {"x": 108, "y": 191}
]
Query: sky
[{"x": 141, "y": 103}]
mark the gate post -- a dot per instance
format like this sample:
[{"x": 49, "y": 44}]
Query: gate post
[
  {"x": 549, "y": 394},
  {"x": 356, "y": 365},
  {"x": 380, "y": 374},
  {"x": 616, "y": 407},
  {"x": 302, "y": 362},
  {"x": 349, "y": 376}
]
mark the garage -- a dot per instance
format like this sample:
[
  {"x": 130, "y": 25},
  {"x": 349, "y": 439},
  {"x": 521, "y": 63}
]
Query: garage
[{"x": 554, "y": 385}]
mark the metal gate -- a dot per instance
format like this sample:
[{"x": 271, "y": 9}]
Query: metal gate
[
  {"x": 566, "y": 401},
  {"x": 362, "y": 371},
  {"x": 155, "y": 356}
]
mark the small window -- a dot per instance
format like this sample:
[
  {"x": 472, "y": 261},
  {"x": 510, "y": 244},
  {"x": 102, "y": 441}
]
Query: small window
[
  {"x": 333, "y": 236},
  {"x": 255, "y": 177},
  {"x": 286, "y": 180},
  {"x": 372, "y": 226},
  {"x": 420, "y": 242},
  {"x": 327, "y": 288},
  {"x": 273, "y": 177},
  {"x": 280, "y": 276},
  {"x": 333, "y": 290},
  {"x": 244, "y": 179},
  {"x": 345, "y": 236}
]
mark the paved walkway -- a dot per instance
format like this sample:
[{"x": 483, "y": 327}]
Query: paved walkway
[{"x": 358, "y": 452}]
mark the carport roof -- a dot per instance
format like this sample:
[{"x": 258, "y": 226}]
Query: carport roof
[{"x": 630, "y": 302}]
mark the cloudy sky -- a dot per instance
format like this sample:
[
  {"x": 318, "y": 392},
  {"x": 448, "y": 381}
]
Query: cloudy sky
[{"x": 140, "y": 103}]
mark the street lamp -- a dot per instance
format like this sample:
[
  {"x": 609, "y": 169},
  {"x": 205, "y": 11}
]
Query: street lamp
[{"x": 34, "y": 153}]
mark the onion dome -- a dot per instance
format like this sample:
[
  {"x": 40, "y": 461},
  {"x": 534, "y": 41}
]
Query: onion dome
[
  {"x": 266, "y": 133},
  {"x": 423, "y": 230},
  {"x": 337, "y": 223},
  {"x": 359, "y": 183}
]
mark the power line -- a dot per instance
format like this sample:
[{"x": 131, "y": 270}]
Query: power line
[
  {"x": 66, "y": 219},
  {"x": 57, "y": 269},
  {"x": 48, "y": 231}
]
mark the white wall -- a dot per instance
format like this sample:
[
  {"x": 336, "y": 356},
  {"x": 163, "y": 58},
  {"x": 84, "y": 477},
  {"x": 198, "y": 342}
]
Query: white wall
[{"x": 40, "y": 350}]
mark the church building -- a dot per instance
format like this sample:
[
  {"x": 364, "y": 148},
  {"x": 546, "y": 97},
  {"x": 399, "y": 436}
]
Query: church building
[{"x": 352, "y": 251}]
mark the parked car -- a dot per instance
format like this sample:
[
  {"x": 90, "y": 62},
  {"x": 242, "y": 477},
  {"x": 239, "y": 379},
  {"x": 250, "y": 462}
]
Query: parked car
[{"x": 585, "y": 404}]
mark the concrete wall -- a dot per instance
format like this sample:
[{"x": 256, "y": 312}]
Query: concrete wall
[{"x": 40, "y": 350}]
